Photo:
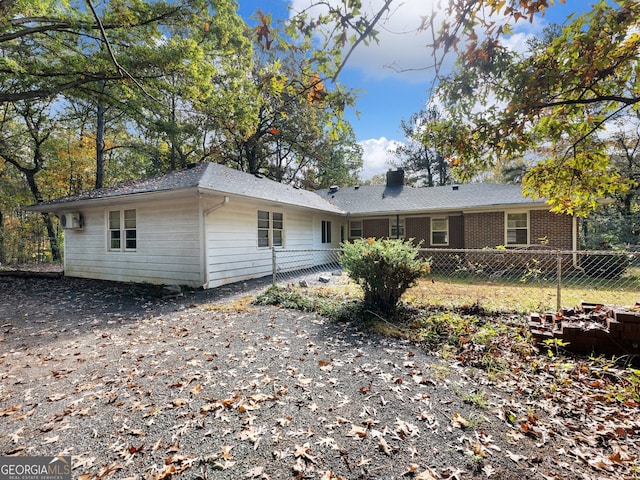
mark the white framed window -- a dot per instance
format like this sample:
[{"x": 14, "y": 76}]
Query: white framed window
[
  {"x": 355, "y": 229},
  {"x": 326, "y": 231},
  {"x": 270, "y": 229},
  {"x": 440, "y": 231},
  {"x": 397, "y": 228},
  {"x": 122, "y": 230},
  {"x": 517, "y": 228}
]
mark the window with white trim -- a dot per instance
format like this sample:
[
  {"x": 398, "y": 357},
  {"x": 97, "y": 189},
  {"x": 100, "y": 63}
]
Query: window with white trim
[
  {"x": 326, "y": 231},
  {"x": 397, "y": 228},
  {"x": 517, "y": 228},
  {"x": 355, "y": 229},
  {"x": 270, "y": 229},
  {"x": 440, "y": 231},
  {"x": 122, "y": 230}
]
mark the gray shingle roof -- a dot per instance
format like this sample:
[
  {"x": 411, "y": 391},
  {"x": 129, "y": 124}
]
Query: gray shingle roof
[
  {"x": 209, "y": 176},
  {"x": 369, "y": 199}
]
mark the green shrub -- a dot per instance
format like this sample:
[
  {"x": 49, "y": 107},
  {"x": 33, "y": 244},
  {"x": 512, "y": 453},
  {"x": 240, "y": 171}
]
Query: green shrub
[{"x": 384, "y": 269}]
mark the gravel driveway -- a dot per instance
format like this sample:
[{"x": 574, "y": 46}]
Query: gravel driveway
[{"x": 208, "y": 386}]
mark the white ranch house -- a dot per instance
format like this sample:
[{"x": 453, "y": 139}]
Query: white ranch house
[{"x": 209, "y": 225}]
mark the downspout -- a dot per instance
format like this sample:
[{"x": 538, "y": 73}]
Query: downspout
[
  {"x": 574, "y": 242},
  {"x": 217, "y": 206},
  {"x": 205, "y": 238}
]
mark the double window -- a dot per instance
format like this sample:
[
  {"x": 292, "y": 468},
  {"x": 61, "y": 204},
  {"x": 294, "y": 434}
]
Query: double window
[
  {"x": 270, "y": 229},
  {"x": 122, "y": 230},
  {"x": 439, "y": 231},
  {"x": 517, "y": 228}
]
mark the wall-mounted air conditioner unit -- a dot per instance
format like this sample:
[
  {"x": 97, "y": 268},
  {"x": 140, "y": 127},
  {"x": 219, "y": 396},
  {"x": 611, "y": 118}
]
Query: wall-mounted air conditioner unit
[{"x": 71, "y": 220}]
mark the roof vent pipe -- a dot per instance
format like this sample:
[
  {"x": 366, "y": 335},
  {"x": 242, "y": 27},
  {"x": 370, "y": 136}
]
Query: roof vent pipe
[{"x": 333, "y": 188}]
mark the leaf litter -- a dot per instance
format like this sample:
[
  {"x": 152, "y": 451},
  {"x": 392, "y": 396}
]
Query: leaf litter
[{"x": 132, "y": 386}]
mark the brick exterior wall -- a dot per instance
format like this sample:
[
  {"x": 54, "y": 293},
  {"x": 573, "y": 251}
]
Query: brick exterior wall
[
  {"x": 375, "y": 227},
  {"x": 418, "y": 229},
  {"x": 546, "y": 229},
  {"x": 483, "y": 229},
  {"x": 456, "y": 231},
  {"x": 556, "y": 229}
]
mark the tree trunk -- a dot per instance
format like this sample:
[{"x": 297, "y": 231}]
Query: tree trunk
[
  {"x": 250, "y": 152},
  {"x": 51, "y": 234},
  {"x": 56, "y": 254},
  {"x": 2, "y": 252},
  {"x": 100, "y": 145}
]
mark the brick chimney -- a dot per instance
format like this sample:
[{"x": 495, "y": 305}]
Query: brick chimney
[{"x": 395, "y": 178}]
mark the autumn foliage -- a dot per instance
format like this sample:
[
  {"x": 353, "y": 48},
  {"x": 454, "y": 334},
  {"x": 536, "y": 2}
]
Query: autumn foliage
[{"x": 385, "y": 269}]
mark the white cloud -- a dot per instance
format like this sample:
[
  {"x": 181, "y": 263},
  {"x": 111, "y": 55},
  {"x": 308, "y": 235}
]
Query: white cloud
[
  {"x": 376, "y": 155},
  {"x": 400, "y": 46},
  {"x": 402, "y": 51}
]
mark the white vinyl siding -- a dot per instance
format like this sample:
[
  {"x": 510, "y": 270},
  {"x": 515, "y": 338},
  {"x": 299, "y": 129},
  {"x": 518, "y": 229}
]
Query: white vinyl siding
[
  {"x": 178, "y": 244},
  {"x": 232, "y": 247},
  {"x": 167, "y": 246}
]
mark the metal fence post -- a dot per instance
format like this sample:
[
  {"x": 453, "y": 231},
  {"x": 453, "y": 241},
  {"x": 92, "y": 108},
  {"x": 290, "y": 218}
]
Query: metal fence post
[
  {"x": 274, "y": 266},
  {"x": 559, "y": 288}
]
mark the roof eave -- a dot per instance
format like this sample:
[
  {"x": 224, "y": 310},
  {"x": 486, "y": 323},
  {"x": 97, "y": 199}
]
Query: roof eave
[
  {"x": 65, "y": 206},
  {"x": 270, "y": 201},
  {"x": 455, "y": 209}
]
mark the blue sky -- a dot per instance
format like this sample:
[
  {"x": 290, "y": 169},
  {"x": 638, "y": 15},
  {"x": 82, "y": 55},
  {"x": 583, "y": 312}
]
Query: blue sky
[{"x": 388, "y": 96}]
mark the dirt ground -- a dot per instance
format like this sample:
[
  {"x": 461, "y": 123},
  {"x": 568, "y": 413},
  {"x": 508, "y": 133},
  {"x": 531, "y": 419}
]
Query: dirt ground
[{"x": 208, "y": 386}]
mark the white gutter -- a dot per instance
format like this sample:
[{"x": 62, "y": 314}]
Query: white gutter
[{"x": 205, "y": 238}]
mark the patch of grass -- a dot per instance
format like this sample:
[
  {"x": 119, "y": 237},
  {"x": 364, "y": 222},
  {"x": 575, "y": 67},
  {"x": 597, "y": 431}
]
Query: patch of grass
[
  {"x": 479, "y": 399},
  {"x": 242, "y": 304},
  {"x": 338, "y": 304},
  {"x": 504, "y": 297}
]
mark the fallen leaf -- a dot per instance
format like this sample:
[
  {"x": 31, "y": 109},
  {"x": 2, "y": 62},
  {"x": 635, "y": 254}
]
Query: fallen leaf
[
  {"x": 53, "y": 439},
  {"x": 304, "y": 451},
  {"x": 459, "y": 421},
  {"x": 255, "y": 472},
  {"x": 357, "y": 431},
  {"x": 383, "y": 446},
  {"x": 226, "y": 452},
  {"x": 10, "y": 411},
  {"x": 227, "y": 464},
  {"x": 515, "y": 457},
  {"x": 426, "y": 475},
  {"x": 488, "y": 470}
]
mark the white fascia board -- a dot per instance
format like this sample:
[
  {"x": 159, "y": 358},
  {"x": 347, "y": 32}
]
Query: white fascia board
[
  {"x": 125, "y": 199},
  {"x": 269, "y": 202}
]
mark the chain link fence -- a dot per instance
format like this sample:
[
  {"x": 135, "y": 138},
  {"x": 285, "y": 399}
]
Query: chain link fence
[
  {"x": 23, "y": 239},
  {"x": 604, "y": 274}
]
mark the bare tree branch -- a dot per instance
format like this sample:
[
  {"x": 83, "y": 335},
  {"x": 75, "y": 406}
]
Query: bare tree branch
[{"x": 121, "y": 70}]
